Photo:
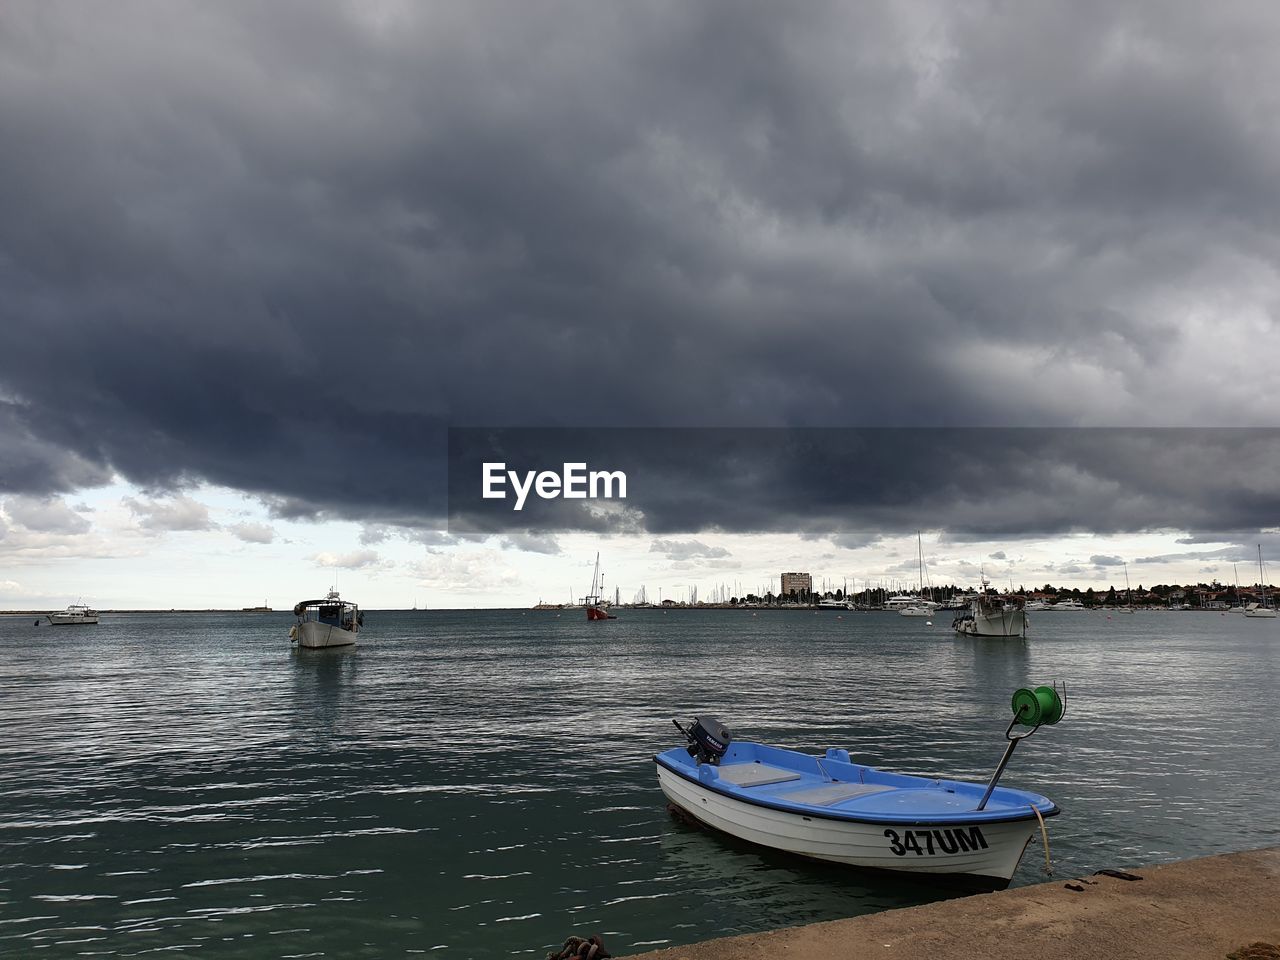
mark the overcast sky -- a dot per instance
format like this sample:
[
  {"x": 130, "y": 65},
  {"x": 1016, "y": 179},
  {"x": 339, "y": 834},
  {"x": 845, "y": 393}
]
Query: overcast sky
[{"x": 256, "y": 258}]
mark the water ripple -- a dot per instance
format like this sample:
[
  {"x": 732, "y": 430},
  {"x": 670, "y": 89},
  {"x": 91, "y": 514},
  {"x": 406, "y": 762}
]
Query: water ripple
[{"x": 482, "y": 782}]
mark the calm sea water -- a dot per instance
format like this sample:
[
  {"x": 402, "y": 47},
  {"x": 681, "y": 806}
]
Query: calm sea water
[{"x": 481, "y": 782}]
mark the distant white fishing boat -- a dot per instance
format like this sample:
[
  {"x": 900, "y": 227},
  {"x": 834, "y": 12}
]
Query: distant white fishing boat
[
  {"x": 331, "y": 622},
  {"x": 75, "y": 613},
  {"x": 1263, "y": 610},
  {"x": 993, "y": 616}
]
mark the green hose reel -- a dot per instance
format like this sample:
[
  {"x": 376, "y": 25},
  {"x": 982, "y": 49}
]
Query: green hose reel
[
  {"x": 1031, "y": 708},
  {"x": 1043, "y": 706}
]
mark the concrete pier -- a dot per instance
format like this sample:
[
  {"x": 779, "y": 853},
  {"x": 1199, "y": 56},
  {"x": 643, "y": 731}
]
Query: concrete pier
[{"x": 1200, "y": 909}]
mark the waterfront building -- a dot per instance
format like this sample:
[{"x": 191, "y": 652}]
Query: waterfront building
[{"x": 801, "y": 583}]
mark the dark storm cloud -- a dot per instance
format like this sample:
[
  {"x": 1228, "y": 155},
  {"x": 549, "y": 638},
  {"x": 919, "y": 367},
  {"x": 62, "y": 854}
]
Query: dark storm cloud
[
  {"x": 976, "y": 484},
  {"x": 280, "y": 247},
  {"x": 32, "y": 464}
]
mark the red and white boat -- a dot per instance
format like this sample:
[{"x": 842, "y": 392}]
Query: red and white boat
[{"x": 597, "y": 609}]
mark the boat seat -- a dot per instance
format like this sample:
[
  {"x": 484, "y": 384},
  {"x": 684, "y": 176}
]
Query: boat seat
[
  {"x": 825, "y": 796},
  {"x": 755, "y": 774}
]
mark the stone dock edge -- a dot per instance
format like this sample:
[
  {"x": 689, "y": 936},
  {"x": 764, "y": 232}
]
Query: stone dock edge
[{"x": 1203, "y": 908}]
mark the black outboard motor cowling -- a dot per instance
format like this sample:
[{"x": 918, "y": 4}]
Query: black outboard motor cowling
[{"x": 710, "y": 738}]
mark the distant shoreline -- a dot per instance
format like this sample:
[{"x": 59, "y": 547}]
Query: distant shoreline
[{"x": 548, "y": 609}]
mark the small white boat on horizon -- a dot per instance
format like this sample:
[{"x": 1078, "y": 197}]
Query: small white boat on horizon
[
  {"x": 331, "y": 622},
  {"x": 1066, "y": 606},
  {"x": 76, "y": 613}
]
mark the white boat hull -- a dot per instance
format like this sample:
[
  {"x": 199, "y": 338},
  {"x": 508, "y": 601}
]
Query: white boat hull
[
  {"x": 1003, "y": 623},
  {"x": 990, "y": 849},
  {"x": 63, "y": 620},
  {"x": 315, "y": 635},
  {"x": 1266, "y": 613}
]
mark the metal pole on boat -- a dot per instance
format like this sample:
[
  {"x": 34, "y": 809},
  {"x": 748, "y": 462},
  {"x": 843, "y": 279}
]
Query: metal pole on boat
[
  {"x": 1031, "y": 708},
  {"x": 1004, "y": 762}
]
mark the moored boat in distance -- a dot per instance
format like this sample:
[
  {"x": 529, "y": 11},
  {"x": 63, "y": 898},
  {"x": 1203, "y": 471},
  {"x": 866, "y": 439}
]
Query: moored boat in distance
[
  {"x": 1264, "y": 609},
  {"x": 960, "y": 601},
  {"x": 75, "y": 613},
  {"x": 991, "y": 615},
  {"x": 1128, "y": 594},
  {"x": 916, "y": 610},
  {"x": 596, "y": 608},
  {"x": 832, "y": 808},
  {"x": 921, "y": 607},
  {"x": 1066, "y": 606},
  {"x": 331, "y": 622}
]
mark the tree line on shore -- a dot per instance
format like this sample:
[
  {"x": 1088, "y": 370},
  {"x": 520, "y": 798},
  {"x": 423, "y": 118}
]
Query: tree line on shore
[{"x": 1195, "y": 595}]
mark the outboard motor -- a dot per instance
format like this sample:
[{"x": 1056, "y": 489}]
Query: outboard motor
[{"x": 708, "y": 738}]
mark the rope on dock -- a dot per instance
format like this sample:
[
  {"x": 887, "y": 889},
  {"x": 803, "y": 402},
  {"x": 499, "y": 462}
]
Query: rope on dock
[{"x": 578, "y": 948}]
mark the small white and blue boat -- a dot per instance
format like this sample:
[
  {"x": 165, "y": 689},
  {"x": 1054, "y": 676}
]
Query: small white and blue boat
[{"x": 831, "y": 808}]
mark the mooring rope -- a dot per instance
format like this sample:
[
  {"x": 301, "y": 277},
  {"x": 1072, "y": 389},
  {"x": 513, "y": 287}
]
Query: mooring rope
[
  {"x": 1044, "y": 836},
  {"x": 586, "y": 948}
]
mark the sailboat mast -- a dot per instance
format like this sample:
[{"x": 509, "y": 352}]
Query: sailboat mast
[{"x": 920, "y": 561}]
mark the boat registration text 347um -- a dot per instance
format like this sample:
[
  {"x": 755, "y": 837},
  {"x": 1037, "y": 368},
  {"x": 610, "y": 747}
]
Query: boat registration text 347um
[{"x": 833, "y": 808}]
